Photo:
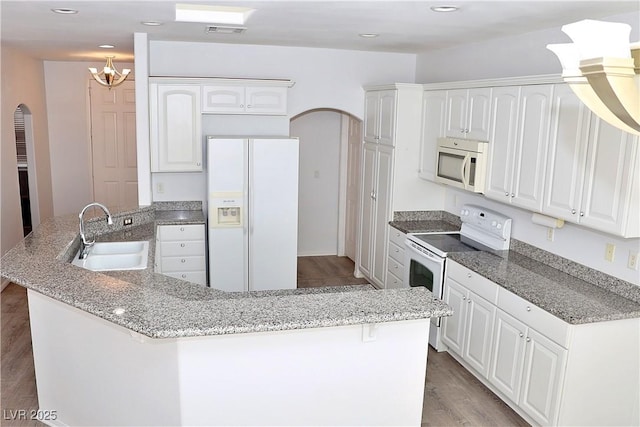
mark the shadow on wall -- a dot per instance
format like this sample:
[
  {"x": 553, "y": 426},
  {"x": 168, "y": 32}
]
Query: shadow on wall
[{"x": 330, "y": 151}]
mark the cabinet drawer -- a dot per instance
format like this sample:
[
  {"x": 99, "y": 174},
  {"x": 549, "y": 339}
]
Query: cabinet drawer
[
  {"x": 181, "y": 232},
  {"x": 393, "y": 281},
  {"x": 473, "y": 281},
  {"x": 396, "y": 236},
  {"x": 396, "y": 252},
  {"x": 533, "y": 316},
  {"x": 186, "y": 248},
  {"x": 395, "y": 267},
  {"x": 199, "y": 277},
  {"x": 186, "y": 263}
]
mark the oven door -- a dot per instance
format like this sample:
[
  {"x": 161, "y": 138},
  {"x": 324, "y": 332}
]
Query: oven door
[{"x": 424, "y": 268}]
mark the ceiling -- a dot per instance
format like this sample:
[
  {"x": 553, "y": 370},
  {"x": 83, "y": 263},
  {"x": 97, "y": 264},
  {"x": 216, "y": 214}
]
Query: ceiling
[{"x": 403, "y": 26}]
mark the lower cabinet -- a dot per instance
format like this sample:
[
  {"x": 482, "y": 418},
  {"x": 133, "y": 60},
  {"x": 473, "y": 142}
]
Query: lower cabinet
[
  {"x": 549, "y": 371},
  {"x": 181, "y": 253},
  {"x": 395, "y": 261}
]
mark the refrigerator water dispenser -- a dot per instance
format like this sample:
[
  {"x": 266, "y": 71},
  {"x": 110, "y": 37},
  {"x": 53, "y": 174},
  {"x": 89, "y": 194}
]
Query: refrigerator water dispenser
[{"x": 225, "y": 210}]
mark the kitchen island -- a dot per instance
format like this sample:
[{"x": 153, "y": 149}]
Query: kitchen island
[{"x": 140, "y": 348}]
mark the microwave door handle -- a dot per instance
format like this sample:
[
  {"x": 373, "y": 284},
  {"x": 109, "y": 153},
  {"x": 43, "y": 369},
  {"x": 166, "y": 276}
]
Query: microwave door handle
[{"x": 465, "y": 171}]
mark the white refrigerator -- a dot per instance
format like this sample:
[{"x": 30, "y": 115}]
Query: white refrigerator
[{"x": 253, "y": 213}]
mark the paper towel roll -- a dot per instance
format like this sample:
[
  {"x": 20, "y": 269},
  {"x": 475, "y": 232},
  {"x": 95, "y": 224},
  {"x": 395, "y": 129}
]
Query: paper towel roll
[{"x": 547, "y": 221}]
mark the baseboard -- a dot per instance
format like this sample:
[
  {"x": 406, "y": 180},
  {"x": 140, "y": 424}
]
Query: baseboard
[{"x": 316, "y": 254}]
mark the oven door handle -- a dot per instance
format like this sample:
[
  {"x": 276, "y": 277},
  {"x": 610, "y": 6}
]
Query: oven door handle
[{"x": 465, "y": 171}]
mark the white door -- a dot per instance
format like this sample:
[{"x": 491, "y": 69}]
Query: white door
[
  {"x": 382, "y": 206},
  {"x": 533, "y": 141},
  {"x": 113, "y": 144},
  {"x": 502, "y": 142},
  {"x": 434, "y": 107},
  {"x": 266, "y": 100},
  {"x": 367, "y": 208},
  {"x": 273, "y": 214},
  {"x": 371, "y": 114},
  {"x": 387, "y": 117},
  {"x": 453, "y": 326},
  {"x": 354, "y": 153},
  {"x": 478, "y": 114},
  {"x": 541, "y": 378},
  {"x": 456, "y": 120},
  {"x": 505, "y": 372},
  {"x": 479, "y": 333}
]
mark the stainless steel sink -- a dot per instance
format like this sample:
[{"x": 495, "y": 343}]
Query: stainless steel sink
[{"x": 108, "y": 256}]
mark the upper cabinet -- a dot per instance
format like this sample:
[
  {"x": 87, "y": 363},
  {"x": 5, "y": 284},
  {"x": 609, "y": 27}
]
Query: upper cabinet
[
  {"x": 175, "y": 128},
  {"x": 467, "y": 113},
  {"x": 434, "y": 109},
  {"x": 380, "y": 117},
  {"x": 592, "y": 169},
  {"x": 518, "y": 145},
  {"x": 236, "y": 99}
]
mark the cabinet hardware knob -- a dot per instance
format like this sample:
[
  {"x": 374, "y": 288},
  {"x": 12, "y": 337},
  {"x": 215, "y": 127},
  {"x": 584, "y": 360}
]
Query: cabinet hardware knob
[
  {"x": 249, "y": 105},
  {"x": 528, "y": 308},
  {"x": 469, "y": 302},
  {"x": 513, "y": 195},
  {"x": 506, "y": 194},
  {"x": 241, "y": 105},
  {"x": 528, "y": 339},
  {"x": 182, "y": 245},
  {"x": 461, "y": 130},
  {"x": 581, "y": 213},
  {"x": 181, "y": 228},
  {"x": 397, "y": 250},
  {"x": 183, "y": 260},
  {"x": 198, "y": 164},
  {"x": 573, "y": 211},
  {"x": 466, "y": 131},
  {"x": 520, "y": 334},
  {"x": 469, "y": 275},
  {"x": 464, "y": 298}
]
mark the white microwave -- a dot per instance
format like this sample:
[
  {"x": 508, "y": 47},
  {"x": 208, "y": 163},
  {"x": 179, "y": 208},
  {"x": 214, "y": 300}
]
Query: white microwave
[{"x": 461, "y": 163}]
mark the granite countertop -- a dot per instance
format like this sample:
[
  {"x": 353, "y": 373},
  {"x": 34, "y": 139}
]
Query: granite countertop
[
  {"x": 584, "y": 296},
  {"x": 159, "y": 306}
]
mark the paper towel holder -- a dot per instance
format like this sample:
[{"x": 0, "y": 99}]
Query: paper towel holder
[{"x": 547, "y": 221}]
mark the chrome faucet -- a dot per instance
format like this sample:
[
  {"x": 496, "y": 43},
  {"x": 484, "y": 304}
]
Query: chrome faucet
[{"x": 84, "y": 245}]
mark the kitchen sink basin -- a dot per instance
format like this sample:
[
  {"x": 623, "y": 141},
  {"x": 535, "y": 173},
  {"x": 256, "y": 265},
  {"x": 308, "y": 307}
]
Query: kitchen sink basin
[{"x": 108, "y": 256}]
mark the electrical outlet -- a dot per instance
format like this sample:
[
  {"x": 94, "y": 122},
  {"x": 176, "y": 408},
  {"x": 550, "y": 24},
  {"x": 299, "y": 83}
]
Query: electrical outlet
[
  {"x": 632, "y": 263},
  {"x": 127, "y": 221},
  {"x": 610, "y": 252},
  {"x": 160, "y": 187},
  {"x": 550, "y": 234}
]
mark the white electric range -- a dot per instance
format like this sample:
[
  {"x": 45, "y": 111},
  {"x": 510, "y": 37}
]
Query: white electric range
[{"x": 426, "y": 254}]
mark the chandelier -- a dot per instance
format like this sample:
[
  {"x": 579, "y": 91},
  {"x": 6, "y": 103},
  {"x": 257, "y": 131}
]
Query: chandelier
[
  {"x": 602, "y": 68},
  {"x": 109, "y": 76}
]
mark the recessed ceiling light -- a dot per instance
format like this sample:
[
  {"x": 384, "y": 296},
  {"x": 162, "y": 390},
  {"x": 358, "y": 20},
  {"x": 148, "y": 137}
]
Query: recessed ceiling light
[
  {"x": 368, "y": 35},
  {"x": 229, "y": 15},
  {"x": 444, "y": 8},
  {"x": 106, "y": 46},
  {"x": 64, "y": 11},
  {"x": 151, "y": 23}
]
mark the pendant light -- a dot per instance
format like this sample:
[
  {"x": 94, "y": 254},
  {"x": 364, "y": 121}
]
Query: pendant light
[{"x": 109, "y": 76}]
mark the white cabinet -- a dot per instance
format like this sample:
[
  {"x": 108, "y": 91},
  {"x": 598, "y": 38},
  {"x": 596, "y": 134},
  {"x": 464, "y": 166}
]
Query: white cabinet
[
  {"x": 241, "y": 99},
  {"x": 434, "y": 109},
  {"x": 180, "y": 252},
  {"x": 518, "y": 145},
  {"x": 592, "y": 176},
  {"x": 395, "y": 262},
  {"x": 380, "y": 117},
  {"x": 377, "y": 168},
  {"x": 175, "y": 127},
  {"x": 469, "y": 331},
  {"x": 468, "y": 113}
]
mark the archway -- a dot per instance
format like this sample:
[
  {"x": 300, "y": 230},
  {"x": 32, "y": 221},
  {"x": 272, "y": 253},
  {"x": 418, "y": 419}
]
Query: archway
[{"x": 330, "y": 150}]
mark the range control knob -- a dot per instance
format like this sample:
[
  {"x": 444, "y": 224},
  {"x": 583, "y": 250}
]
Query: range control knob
[
  {"x": 493, "y": 223},
  {"x": 499, "y": 226}
]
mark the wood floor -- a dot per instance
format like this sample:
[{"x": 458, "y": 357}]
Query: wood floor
[{"x": 452, "y": 397}]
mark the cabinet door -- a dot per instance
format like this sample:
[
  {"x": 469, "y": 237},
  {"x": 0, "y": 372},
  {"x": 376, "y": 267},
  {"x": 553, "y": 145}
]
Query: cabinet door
[
  {"x": 223, "y": 99},
  {"x": 456, "y": 121},
  {"x": 434, "y": 107},
  {"x": 608, "y": 177},
  {"x": 502, "y": 143},
  {"x": 367, "y": 230},
  {"x": 453, "y": 326},
  {"x": 266, "y": 100},
  {"x": 176, "y": 145},
  {"x": 478, "y": 114},
  {"x": 371, "y": 116},
  {"x": 479, "y": 333},
  {"x": 505, "y": 370},
  {"x": 387, "y": 118},
  {"x": 533, "y": 141},
  {"x": 544, "y": 364},
  {"x": 382, "y": 206},
  {"x": 566, "y": 155}
]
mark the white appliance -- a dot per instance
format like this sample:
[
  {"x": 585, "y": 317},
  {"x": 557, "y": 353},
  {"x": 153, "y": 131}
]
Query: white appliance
[
  {"x": 253, "y": 213},
  {"x": 461, "y": 163},
  {"x": 426, "y": 254}
]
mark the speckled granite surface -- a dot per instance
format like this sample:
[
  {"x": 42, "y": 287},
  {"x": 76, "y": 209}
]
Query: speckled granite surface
[
  {"x": 161, "y": 307},
  {"x": 425, "y": 221}
]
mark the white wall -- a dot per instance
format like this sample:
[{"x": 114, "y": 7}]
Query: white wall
[
  {"x": 574, "y": 242},
  {"x": 320, "y": 137},
  {"x": 522, "y": 55},
  {"x": 23, "y": 82},
  {"x": 69, "y": 133}
]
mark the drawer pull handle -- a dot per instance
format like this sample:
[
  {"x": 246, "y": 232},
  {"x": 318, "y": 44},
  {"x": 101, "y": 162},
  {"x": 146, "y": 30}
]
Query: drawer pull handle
[
  {"x": 183, "y": 260},
  {"x": 528, "y": 308},
  {"x": 182, "y": 245}
]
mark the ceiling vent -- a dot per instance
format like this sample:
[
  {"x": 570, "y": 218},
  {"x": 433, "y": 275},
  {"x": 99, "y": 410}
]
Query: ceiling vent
[{"x": 225, "y": 29}]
